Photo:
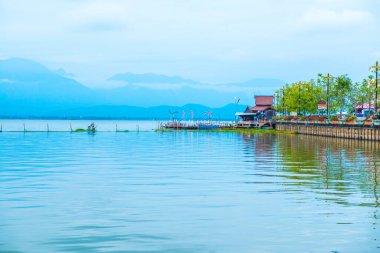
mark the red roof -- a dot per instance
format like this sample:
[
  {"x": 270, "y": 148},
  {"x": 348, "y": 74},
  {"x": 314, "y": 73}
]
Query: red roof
[
  {"x": 365, "y": 106},
  {"x": 264, "y": 100},
  {"x": 260, "y": 108}
]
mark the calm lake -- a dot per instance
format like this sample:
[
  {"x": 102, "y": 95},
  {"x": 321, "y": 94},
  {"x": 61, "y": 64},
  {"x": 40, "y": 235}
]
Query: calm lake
[{"x": 187, "y": 192}]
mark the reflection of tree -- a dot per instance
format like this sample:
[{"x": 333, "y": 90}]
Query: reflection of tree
[
  {"x": 344, "y": 166},
  {"x": 336, "y": 168},
  {"x": 373, "y": 177},
  {"x": 339, "y": 170}
]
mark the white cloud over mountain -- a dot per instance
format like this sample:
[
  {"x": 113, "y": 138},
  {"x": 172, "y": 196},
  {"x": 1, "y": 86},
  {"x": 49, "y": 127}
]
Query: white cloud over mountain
[{"x": 206, "y": 40}]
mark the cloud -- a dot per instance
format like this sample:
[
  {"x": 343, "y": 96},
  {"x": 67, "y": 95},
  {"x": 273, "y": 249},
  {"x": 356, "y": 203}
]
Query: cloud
[
  {"x": 98, "y": 16},
  {"x": 100, "y": 26},
  {"x": 211, "y": 41},
  {"x": 317, "y": 18},
  {"x": 376, "y": 55}
]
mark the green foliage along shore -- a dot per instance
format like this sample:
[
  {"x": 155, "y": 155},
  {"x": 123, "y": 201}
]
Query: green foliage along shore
[{"x": 341, "y": 92}]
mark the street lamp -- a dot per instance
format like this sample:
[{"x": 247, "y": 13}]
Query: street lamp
[
  {"x": 299, "y": 98},
  {"x": 328, "y": 78},
  {"x": 376, "y": 69},
  {"x": 237, "y": 100},
  {"x": 283, "y": 101}
]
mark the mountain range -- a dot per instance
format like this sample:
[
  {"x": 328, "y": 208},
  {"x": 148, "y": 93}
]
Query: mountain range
[{"x": 29, "y": 89}]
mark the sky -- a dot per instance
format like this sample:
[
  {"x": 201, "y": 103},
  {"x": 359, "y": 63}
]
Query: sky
[{"x": 212, "y": 41}]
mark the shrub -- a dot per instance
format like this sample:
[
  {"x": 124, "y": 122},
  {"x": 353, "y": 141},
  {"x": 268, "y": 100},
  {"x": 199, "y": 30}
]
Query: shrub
[{"x": 350, "y": 117}]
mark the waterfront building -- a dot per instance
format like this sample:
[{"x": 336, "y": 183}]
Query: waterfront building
[
  {"x": 366, "y": 106},
  {"x": 263, "y": 110},
  {"x": 322, "y": 107}
]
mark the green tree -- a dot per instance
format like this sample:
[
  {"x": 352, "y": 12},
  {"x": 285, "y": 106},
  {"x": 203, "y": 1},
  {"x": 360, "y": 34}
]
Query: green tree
[
  {"x": 358, "y": 95},
  {"x": 301, "y": 97},
  {"x": 291, "y": 97},
  {"x": 310, "y": 96},
  {"x": 340, "y": 93}
]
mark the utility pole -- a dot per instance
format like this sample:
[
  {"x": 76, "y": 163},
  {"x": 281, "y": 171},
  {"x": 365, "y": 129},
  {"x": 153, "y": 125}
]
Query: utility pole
[
  {"x": 328, "y": 95},
  {"x": 277, "y": 98},
  {"x": 377, "y": 78},
  {"x": 283, "y": 101},
  {"x": 376, "y": 69},
  {"x": 328, "y": 78},
  {"x": 237, "y": 100},
  {"x": 299, "y": 98}
]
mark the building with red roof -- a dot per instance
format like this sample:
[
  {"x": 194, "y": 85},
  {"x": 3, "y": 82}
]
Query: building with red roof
[{"x": 262, "y": 110}]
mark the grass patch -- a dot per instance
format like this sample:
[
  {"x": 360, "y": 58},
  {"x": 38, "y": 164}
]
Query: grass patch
[
  {"x": 79, "y": 130},
  {"x": 82, "y": 130}
]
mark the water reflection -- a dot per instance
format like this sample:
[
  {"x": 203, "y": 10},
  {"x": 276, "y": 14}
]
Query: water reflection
[
  {"x": 336, "y": 168},
  {"x": 187, "y": 192},
  {"x": 342, "y": 171}
]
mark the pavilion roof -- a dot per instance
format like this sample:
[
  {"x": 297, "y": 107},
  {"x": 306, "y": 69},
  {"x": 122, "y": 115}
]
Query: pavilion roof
[
  {"x": 260, "y": 107},
  {"x": 264, "y": 100}
]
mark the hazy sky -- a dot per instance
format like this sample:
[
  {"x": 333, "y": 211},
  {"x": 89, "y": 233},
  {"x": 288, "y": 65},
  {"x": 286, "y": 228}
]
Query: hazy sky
[{"x": 207, "y": 40}]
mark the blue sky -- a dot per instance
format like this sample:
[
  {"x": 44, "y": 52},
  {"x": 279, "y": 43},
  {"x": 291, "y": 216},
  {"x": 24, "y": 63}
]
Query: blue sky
[{"x": 207, "y": 40}]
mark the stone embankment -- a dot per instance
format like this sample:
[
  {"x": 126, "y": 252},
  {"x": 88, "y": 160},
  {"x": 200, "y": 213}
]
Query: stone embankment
[{"x": 357, "y": 132}]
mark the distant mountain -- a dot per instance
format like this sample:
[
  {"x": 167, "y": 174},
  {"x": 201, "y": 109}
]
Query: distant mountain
[
  {"x": 27, "y": 86},
  {"x": 150, "y": 78},
  {"x": 142, "y": 96},
  {"x": 29, "y": 89}
]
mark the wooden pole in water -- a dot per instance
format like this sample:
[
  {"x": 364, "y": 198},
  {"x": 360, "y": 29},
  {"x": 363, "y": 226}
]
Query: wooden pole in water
[
  {"x": 1, "y": 128},
  {"x": 116, "y": 127},
  {"x": 47, "y": 127},
  {"x": 71, "y": 128},
  {"x": 24, "y": 127}
]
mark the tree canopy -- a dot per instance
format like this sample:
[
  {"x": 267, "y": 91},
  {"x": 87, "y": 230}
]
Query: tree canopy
[{"x": 339, "y": 93}]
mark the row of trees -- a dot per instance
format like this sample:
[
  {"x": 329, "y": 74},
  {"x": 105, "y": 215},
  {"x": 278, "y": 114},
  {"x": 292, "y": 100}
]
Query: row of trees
[{"x": 339, "y": 93}]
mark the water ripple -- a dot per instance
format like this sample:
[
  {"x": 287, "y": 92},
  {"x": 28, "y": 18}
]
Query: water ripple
[{"x": 187, "y": 192}]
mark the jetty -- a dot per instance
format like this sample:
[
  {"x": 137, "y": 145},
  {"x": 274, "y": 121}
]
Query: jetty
[{"x": 197, "y": 125}]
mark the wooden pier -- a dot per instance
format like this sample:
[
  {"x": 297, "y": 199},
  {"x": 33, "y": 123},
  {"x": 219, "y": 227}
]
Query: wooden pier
[{"x": 196, "y": 125}]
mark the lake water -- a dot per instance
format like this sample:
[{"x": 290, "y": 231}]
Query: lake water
[
  {"x": 16, "y": 125},
  {"x": 187, "y": 192}
]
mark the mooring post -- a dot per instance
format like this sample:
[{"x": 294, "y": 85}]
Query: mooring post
[
  {"x": 1, "y": 128},
  {"x": 47, "y": 127},
  {"x": 24, "y": 127},
  {"x": 116, "y": 127},
  {"x": 71, "y": 128}
]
